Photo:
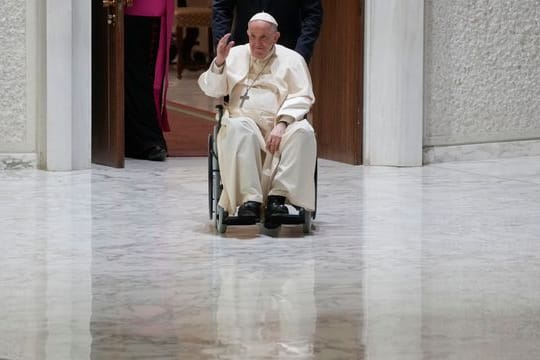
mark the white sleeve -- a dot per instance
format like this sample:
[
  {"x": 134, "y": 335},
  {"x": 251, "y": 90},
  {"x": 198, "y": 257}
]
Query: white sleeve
[
  {"x": 213, "y": 82},
  {"x": 300, "y": 96}
]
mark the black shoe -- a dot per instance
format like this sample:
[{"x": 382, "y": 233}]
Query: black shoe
[
  {"x": 250, "y": 209},
  {"x": 276, "y": 206},
  {"x": 156, "y": 153}
]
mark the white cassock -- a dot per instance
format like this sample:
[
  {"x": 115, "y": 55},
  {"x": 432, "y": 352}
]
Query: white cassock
[{"x": 278, "y": 88}]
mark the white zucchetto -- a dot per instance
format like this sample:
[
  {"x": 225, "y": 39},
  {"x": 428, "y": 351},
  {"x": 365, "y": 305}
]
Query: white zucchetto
[{"x": 264, "y": 17}]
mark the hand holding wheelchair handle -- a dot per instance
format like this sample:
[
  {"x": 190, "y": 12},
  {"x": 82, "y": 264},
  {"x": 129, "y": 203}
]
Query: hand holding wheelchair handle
[{"x": 222, "y": 49}]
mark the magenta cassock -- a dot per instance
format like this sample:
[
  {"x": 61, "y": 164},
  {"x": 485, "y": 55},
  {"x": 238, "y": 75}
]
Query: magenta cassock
[{"x": 165, "y": 10}]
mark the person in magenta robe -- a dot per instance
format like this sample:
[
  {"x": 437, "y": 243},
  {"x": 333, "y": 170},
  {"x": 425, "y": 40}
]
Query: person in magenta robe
[{"x": 148, "y": 31}]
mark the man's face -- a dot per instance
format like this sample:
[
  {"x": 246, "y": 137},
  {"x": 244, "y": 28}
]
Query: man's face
[{"x": 262, "y": 36}]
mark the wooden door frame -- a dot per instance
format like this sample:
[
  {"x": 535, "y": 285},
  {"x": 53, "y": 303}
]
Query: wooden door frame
[{"x": 108, "y": 136}]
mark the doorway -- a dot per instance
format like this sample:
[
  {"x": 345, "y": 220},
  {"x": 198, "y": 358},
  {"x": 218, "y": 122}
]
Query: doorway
[
  {"x": 337, "y": 81},
  {"x": 191, "y": 113}
]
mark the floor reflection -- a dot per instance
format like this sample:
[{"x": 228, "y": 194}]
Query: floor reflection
[
  {"x": 435, "y": 263},
  {"x": 246, "y": 299},
  {"x": 265, "y": 308}
]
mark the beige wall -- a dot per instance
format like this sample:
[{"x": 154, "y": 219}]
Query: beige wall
[
  {"x": 17, "y": 126},
  {"x": 482, "y": 82}
]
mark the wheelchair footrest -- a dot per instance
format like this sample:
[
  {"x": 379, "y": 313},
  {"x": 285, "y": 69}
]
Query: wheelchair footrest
[
  {"x": 288, "y": 219},
  {"x": 237, "y": 220}
]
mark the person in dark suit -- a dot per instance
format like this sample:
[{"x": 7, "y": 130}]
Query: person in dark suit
[{"x": 299, "y": 21}]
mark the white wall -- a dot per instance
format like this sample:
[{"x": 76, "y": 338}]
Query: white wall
[
  {"x": 393, "y": 85},
  {"x": 67, "y": 128}
]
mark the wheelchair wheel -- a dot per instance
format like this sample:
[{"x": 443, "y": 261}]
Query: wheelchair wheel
[
  {"x": 221, "y": 214},
  {"x": 211, "y": 194},
  {"x": 316, "y": 176},
  {"x": 307, "y": 222}
]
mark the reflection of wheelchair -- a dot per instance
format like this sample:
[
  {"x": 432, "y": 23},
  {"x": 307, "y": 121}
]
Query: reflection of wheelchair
[{"x": 220, "y": 216}]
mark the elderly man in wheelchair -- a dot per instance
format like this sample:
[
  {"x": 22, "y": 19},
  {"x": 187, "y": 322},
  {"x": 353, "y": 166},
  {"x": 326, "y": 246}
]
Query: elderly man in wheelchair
[{"x": 266, "y": 148}]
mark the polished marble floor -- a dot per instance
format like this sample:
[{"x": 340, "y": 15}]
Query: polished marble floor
[{"x": 439, "y": 262}]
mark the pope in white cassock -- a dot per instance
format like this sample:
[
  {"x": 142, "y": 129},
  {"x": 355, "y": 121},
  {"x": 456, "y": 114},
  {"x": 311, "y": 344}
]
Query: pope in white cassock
[{"x": 266, "y": 147}]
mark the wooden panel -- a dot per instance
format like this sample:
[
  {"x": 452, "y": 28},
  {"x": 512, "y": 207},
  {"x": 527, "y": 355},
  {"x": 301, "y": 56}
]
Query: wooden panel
[
  {"x": 337, "y": 68},
  {"x": 107, "y": 84}
]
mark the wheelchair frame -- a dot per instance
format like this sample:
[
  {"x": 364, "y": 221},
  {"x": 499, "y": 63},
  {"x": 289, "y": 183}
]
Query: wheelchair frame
[{"x": 215, "y": 187}]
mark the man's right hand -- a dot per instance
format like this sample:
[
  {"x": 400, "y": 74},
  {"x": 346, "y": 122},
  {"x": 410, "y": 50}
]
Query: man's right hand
[{"x": 223, "y": 48}]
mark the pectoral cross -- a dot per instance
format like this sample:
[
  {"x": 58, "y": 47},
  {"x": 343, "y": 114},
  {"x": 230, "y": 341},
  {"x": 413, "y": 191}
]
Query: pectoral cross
[{"x": 244, "y": 98}]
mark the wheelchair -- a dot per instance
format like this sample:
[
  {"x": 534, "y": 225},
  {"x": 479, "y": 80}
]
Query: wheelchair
[{"x": 220, "y": 216}]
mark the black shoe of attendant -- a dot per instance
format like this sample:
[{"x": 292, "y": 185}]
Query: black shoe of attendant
[
  {"x": 156, "y": 153},
  {"x": 250, "y": 209},
  {"x": 275, "y": 208}
]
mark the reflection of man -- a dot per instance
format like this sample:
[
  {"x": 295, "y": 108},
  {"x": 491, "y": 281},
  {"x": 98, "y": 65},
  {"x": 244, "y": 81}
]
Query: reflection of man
[
  {"x": 299, "y": 21},
  {"x": 269, "y": 88},
  {"x": 267, "y": 311}
]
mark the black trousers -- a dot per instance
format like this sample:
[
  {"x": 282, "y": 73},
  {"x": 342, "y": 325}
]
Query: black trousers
[{"x": 141, "y": 41}]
